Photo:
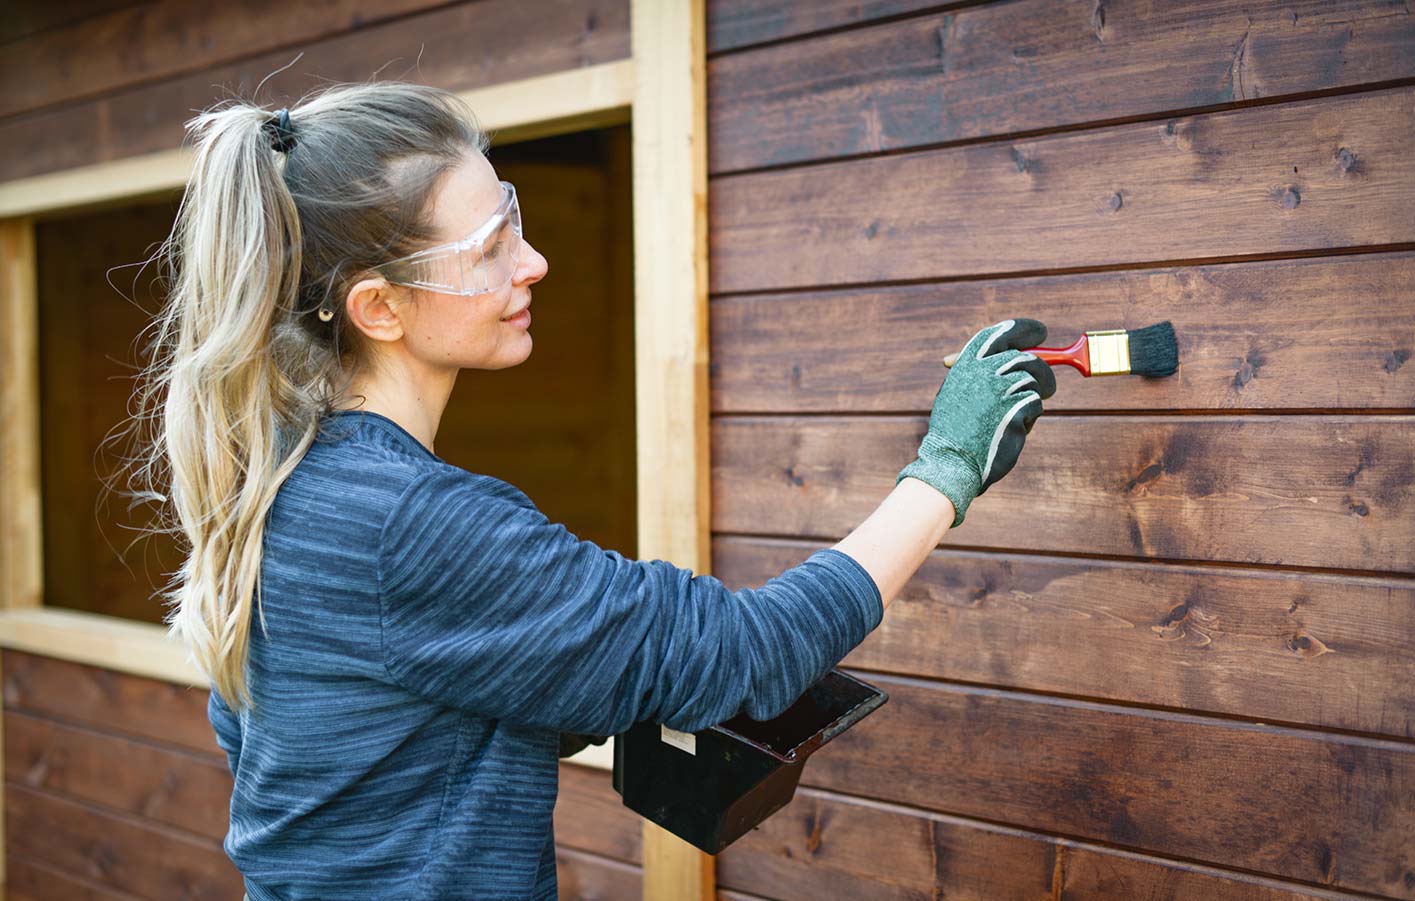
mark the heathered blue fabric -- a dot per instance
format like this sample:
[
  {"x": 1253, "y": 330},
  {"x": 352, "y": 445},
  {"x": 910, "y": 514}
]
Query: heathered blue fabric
[{"x": 428, "y": 634}]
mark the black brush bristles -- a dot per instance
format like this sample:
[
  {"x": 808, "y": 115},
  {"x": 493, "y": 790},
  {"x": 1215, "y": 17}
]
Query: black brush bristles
[{"x": 1153, "y": 350}]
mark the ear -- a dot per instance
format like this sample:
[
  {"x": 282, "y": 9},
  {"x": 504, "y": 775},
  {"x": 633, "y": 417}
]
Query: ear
[{"x": 374, "y": 307}]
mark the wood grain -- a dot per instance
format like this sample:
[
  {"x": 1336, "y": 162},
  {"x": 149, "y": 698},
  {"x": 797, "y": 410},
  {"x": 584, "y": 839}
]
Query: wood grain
[
  {"x": 1311, "y": 175},
  {"x": 124, "y": 704},
  {"x": 1317, "y": 491},
  {"x": 21, "y": 510},
  {"x": 585, "y": 877},
  {"x": 116, "y": 851},
  {"x": 136, "y": 44},
  {"x": 824, "y": 845},
  {"x": 177, "y": 788},
  {"x": 28, "y": 880},
  {"x": 1327, "y": 809},
  {"x": 591, "y": 817},
  {"x": 1326, "y": 333},
  {"x": 1195, "y": 638},
  {"x": 458, "y": 47},
  {"x": 1004, "y": 68},
  {"x": 732, "y": 24}
]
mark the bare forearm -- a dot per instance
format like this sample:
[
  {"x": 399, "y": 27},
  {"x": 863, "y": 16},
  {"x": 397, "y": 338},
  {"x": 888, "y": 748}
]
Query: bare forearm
[{"x": 892, "y": 543}]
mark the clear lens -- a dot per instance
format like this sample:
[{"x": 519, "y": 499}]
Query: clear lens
[{"x": 483, "y": 262}]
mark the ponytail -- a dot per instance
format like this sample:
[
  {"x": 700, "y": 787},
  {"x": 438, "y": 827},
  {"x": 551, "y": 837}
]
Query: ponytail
[{"x": 281, "y": 215}]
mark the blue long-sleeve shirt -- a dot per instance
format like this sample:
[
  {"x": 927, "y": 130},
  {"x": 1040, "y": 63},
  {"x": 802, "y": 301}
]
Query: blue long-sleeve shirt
[{"x": 428, "y": 633}]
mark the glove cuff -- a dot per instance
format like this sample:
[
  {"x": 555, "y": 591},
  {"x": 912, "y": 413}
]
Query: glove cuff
[{"x": 952, "y": 475}]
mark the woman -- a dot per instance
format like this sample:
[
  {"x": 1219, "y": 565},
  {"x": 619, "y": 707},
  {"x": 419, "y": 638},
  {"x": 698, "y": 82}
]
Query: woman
[{"x": 423, "y": 635}]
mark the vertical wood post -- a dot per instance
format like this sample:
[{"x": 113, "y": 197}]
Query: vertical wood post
[
  {"x": 21, "y": 575},
  {"x": 21, "y": 570},
  {"x": 671, "y": 354}
]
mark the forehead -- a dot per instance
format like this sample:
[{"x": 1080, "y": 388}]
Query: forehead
[{"x": 466, "y": 198}]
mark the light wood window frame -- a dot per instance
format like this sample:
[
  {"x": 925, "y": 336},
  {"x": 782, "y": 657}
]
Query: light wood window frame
[{"x": 660, "y": 91}]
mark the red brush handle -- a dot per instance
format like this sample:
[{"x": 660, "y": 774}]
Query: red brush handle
[{"x": 1077, "y": 355}]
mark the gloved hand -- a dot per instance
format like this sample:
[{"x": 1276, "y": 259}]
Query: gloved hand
[{"x": 983, "y": 412}]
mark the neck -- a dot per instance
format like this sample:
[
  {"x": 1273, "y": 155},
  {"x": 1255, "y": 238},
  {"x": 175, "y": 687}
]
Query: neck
[{"x": 410, "y": 395}]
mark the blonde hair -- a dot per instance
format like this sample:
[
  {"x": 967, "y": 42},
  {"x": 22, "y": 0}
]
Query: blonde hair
[{"x": 244, "y": 358}]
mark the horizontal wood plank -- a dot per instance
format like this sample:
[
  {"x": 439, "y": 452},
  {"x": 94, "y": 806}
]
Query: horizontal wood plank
[
  {"x": 1004, "y": 68},
  {"x": 1185, "y": 637},
  {"x": 149, "y": 708},
  {"x": 27, "y": 880},
  {"x": 151, "y": 41},
  {"x": 177, "y": 788},
  {"x": 590, "y": 816},
  {"x": 1295, "y": 177},
  {"x": 1317, "y": 491},
  {"x": 585, "y": 877},
  {"x": 733, "y": 24},
  {"x": 824, "y": 845},
  {"x": 1327, "y": 809},
  {"x": 112, "y": 850},
  {"x": 23, "y": 21},
  {"x": 458, "y": 47},
  {"x": 1324, "y": 333}
]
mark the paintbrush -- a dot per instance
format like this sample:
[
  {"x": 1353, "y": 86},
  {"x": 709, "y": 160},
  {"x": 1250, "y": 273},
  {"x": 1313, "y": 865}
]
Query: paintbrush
[{"x": 1149, "y": 351}]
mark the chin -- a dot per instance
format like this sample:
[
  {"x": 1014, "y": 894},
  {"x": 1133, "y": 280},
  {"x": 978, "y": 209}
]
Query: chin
[{"x": 515, "y": 357}]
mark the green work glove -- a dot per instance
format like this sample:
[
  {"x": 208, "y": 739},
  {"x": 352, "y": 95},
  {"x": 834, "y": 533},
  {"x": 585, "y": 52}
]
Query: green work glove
[{"x": 983, "y": 412}]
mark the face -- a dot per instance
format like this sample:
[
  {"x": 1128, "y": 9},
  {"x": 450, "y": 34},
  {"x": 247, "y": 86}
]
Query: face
[{"x": 485, "y": 331}]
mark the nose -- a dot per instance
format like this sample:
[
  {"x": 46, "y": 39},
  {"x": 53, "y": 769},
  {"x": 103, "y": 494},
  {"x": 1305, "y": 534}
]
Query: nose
[{"x": 532, "y": 266}]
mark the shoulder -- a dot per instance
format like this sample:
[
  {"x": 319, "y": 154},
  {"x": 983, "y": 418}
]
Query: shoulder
[
  {"x": 450, "y": 519},
  {"x": 436, "y": 492}
]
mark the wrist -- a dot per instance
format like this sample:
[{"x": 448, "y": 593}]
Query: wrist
[
  {"x": 923, "y": 496},
  {"x": 948, "y": 474}
]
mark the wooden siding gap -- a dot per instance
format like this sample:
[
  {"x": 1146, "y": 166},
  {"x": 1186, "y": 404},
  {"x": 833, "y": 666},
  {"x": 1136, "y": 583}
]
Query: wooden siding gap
[
  {"x": 720, "y": 46},
  {"x": 122, "y": 816},
  {"x": 1115, "y": 705},
  {"x": 1170, "y": 817},
  {"x": 1394, "y": 576},
  {"x": 1173, "y": 716},
  {"x": 1033, "y": 68},
  {"x": 191, "y": 796},
  {"x": 18, "y": 862},
  {"x": 1059, "y": 130},
  {"x": 1378, "y": 578},
  {"x": 1064, "y": 844},
  {"x": 1312, "y": 253},
  {"x": 134, "y": 738},
  {"x": 34, "y": 62}
]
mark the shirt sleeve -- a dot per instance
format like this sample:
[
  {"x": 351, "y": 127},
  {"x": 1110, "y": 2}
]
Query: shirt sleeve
[
  {"x": 488, "y": 606},
  {"x": 227, "y": 728}
]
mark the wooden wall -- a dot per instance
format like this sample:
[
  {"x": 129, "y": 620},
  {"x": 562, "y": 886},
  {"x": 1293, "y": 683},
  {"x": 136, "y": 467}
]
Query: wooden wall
[
  {"x": 1169, "y": 656},
  {"x": 116, "y": 788},
  {"x": 114, "y": 784}
]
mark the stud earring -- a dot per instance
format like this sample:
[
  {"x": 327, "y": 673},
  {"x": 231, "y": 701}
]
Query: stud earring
[{"x": 325, "y": 315}]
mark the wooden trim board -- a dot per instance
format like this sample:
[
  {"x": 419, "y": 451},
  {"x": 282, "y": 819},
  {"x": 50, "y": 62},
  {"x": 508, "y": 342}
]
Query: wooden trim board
[
  {"x": 140, "y": 649},
  {"x": 671, "y": 337},
  {"x": 21, "y": 560},
  {"x": 519, "y": 110}
]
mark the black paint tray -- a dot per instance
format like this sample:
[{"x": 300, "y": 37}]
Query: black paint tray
[{"x": 711, "y": 787}]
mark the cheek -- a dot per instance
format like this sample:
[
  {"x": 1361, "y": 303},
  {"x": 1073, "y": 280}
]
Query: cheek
[{"x": 461, "y": 329}]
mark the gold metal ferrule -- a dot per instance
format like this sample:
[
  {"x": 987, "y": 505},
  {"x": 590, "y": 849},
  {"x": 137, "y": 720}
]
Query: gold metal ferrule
[{"x": 1109, "y": 351}]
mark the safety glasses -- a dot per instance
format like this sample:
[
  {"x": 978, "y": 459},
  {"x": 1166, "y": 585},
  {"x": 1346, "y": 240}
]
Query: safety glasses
[{"x": 480, "y": 263}]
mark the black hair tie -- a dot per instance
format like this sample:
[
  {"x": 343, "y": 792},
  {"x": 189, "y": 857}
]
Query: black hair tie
[{"x": 282, "y": 136}]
